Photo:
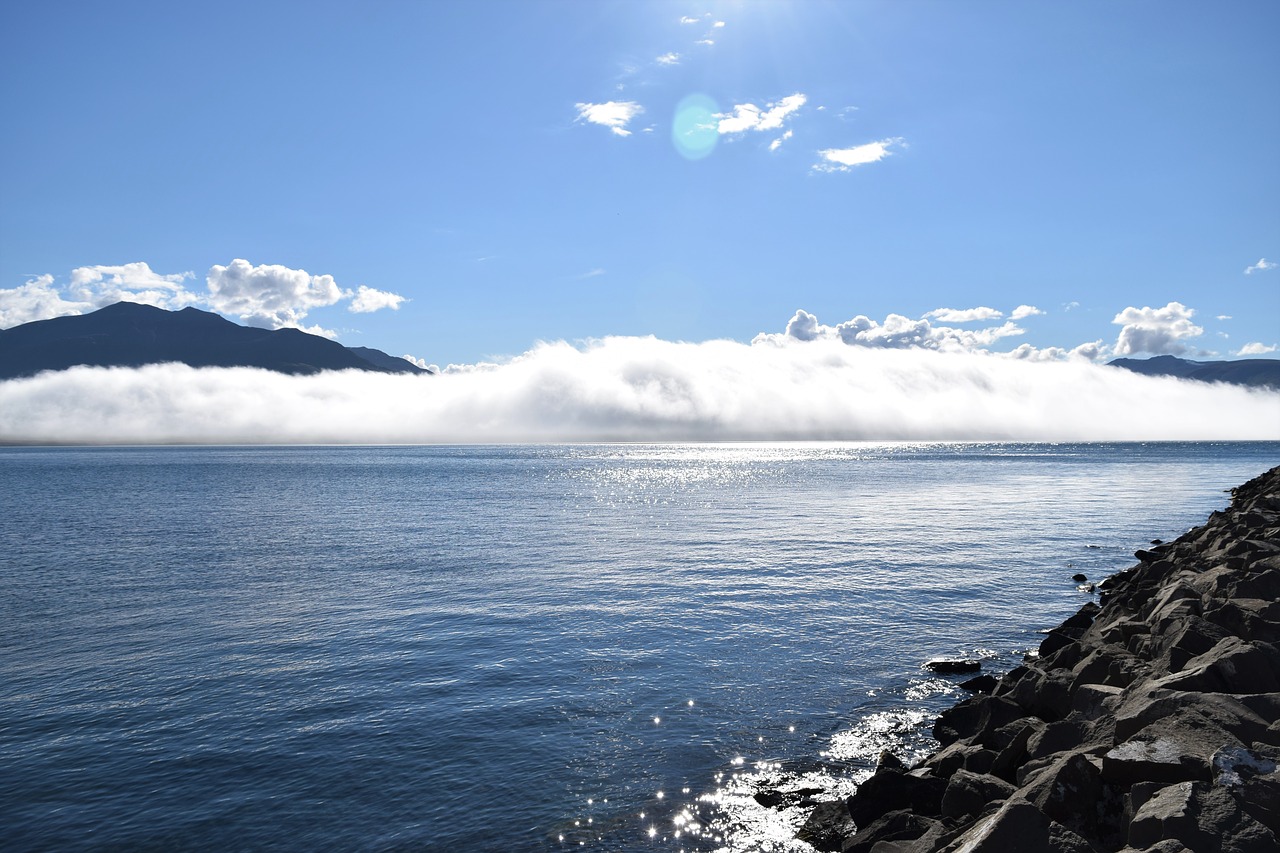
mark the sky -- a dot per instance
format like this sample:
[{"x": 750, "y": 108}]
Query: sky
[{"x": 472, "y": 184}]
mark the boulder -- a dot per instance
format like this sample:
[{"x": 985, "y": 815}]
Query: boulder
[
  {"x": 1018, "y": 827},
  {"x": 890, "y": 790},
  {"x": 968, "y": 794},
  {"x": 827, "y": 826},
  {"x": 900, "y": 825}
]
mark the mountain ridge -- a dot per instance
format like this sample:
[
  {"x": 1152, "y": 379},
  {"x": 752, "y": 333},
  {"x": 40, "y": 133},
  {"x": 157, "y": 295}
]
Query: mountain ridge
[
  {"x": 1250, "y": 372},
  {"x": 129, "y": 334}
]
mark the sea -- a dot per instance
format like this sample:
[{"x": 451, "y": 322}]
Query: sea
[{"x": 544, "y": 648}]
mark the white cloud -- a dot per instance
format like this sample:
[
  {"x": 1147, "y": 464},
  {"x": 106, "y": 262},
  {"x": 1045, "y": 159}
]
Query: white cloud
[
  {"x": 688, "y": 20},
  {"x": 1223, "y": 317},
  {"x": 641, "y": 389},
  {"x": 896, "y": 332},
  {"x": 1256, "y": 349},
  {"x": 270, "y": 296},
  {"x": 1069, "y": 306},
  {"x": 91, "y": 288},
  {"x": 803, "y": 326},
  {"x": 747, "y": 117},
  {"x": 136, "y": 282},
  {"x": 1261, "y": 266},
  {"x": 1158, "y": 331},
  {"x": 777, "y": 143},
  {"x": 844, "y": 159},
  {"x": 717, "y": 25},
  {"x": 670, "y": 58},
  {"x": 965, "y": 315},
  {"x": 1023, "y": 311},
  {"x": 707, "y": 42},
  {"x": 614, "y": 115},
  {"x": 38, "y": 299},
  {"x": 366, "y": 300}
]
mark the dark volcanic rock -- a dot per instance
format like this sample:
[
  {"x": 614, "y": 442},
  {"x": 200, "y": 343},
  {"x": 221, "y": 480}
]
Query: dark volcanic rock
[
  {"x": 950, "y": 666},
  {"x": 1148, "y": 722}
]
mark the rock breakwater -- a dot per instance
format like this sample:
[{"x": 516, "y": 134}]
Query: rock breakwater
[{"x": 1149, "y": 721}]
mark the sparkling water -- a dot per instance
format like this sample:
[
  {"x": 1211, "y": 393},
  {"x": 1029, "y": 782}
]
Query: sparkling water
[{"x": 523, "y": 648}]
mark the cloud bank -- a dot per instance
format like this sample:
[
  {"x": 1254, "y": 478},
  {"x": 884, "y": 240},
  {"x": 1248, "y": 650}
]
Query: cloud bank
[{"x": 644, "y": 389}]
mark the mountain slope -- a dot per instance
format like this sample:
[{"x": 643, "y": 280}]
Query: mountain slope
[
  {"x": 127, "y": 334},
  {"x": 1253, "y": 372}
]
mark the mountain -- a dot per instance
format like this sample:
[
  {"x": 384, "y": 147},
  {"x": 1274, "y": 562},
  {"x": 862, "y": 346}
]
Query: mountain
[
  {"x": 394, "y": 363},
  {"x": 127, "y": 334},
  {"x": 1254, "y": 372}
]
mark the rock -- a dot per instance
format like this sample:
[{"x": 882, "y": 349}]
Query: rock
[
  {"x": 1201, "y": 816},
  {"x": 890, "y": 790},
  {"x": 1079, "y": 578},
  {"x": 951, "y": 666},
  {"x": 967, "y": 794},
  {"x": 1154, "y": 759},
  {"x": 1150, "y": 718},
  {"x": 900, "y": 825},
  {"x": 1018, "y": 827},
  {"x": 827, "y": 826},
  {"x": 979, "y": 684},
  {"x": 1232, "y": 666}
]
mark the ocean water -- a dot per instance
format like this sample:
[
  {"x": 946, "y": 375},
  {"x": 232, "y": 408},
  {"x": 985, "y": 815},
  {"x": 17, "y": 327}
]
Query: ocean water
[{"x": 523, "y": 648}]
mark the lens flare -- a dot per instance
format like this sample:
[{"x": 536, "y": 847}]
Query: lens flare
[{"x": 693, "y": 132}]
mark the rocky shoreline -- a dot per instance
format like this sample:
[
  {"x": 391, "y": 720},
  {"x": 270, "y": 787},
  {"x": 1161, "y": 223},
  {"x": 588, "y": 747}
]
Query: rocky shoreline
[{"x": 1147, "y": 722}]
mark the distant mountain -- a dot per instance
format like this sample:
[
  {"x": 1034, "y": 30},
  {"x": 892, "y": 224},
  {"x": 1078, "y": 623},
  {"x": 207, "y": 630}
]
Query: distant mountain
[
  {"x": 127, "y": 334},
  {"x": 1253, "y": 372},
  {"x": 394, "y": 363}
]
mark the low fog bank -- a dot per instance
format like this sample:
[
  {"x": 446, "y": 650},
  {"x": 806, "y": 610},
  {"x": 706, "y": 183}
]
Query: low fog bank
[{"x": 640, "y": 389}]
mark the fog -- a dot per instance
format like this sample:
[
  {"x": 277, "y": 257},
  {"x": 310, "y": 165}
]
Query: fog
[{"x": 640, "y": 389}]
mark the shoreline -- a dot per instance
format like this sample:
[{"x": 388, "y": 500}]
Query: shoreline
[{"x": 1148, "y": 721}]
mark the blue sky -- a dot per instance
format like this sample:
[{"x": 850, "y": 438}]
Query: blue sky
[{"x": 508, "y": 169}]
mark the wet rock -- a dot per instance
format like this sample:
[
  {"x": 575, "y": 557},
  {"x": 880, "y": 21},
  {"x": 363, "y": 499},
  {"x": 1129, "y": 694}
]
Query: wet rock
[
  {"x": 827, "y": 826},
  {"x": 952, "y": 666},
  {"x": 886, "y": 791},
  {"x": 980, "y": 684},
  {"x": 1079, "y": 577}
]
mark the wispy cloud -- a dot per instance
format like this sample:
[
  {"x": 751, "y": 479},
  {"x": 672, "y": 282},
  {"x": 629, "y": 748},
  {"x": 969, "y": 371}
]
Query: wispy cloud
[
  {"x": 748, "y": 117},
  {"x": 615, "y": 115},
  {"x": 1157, "y": 331},
  {"x": 592, "y": 273},
  {"x": 1256, "y": 349},
  {"x": 642, "y": 389},
  {"x": 1261, "y": 266},
  {"x": 670, "y": 58},
  {"x": 688, "y": 20},
  {"x": 777, "y": 143},
  {"x": 845, "y": 159}
]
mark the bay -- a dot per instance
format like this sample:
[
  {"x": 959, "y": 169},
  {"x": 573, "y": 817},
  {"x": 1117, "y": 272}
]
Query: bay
[{"x": 522, "y": 647}]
